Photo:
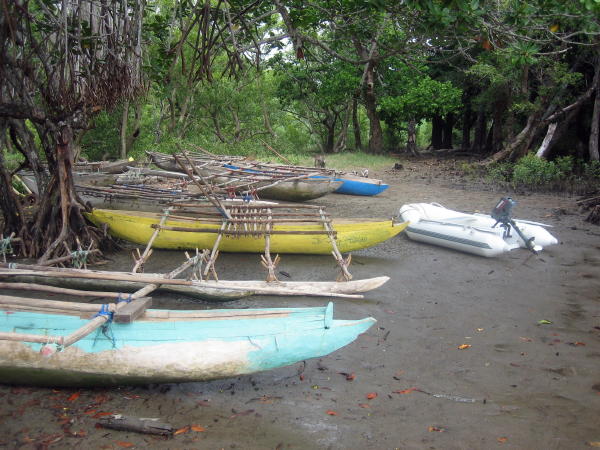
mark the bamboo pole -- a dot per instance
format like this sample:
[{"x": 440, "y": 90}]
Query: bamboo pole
[
  {"x": 97, "y": 276},
  {"x": 259, "y": 206},
  {"x": 53, "y": 304},
  {"x": 343, "y": 263},
  {"x": 37, "y": 338},
  {"x": 148, "y": 249},
  {"x": 266, "y": 260},
  {"x": 202, "y": 215},
  {"x": 268, "y": 220},
  {"x": 206, "y": 191},
  {"x": 276, "y": 152},
  {"x": 210, "y": 265},
  {"x": 143, "y": 292},
  {"x": 242, "y": 233},
  {"x": 57, "y": 290}
]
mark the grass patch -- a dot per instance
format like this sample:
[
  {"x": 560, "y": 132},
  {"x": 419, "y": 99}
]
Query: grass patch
[{"x": 352, "y": 161}]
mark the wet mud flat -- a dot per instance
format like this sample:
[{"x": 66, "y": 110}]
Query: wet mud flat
[{"x": 468, "y": 352}]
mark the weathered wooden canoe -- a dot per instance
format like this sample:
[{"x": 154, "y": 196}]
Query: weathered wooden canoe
[
  {"x": 300, "y": 190},
  {"x": 88, "y": 178},
  {"x": 128, "y": 198},
  {"x": 352, "y": 234},
  {"x": 346, "y": 183},
  {"x": 209, "y": 290},
  {"x": 274, "y": 186},
  {"x": 118, "y": 166},
  {"x": 293, "y": 189},
  {"x": 168, "y": 345}
]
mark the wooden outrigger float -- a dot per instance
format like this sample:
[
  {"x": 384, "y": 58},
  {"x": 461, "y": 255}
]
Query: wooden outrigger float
[{"x": 91, "y": 281}]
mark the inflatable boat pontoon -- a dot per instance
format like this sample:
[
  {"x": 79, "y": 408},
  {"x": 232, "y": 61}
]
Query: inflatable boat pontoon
[{"x": 471, "y": 233}]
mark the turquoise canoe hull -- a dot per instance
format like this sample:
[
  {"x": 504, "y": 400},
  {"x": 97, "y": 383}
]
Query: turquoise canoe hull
[
  {"x": 356, "y": 186},
  {"x": 171, "y": 346}
]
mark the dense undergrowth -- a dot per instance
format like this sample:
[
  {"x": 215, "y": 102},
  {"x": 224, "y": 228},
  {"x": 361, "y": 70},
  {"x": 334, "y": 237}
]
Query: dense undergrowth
[{"x": 537, "y": 174}]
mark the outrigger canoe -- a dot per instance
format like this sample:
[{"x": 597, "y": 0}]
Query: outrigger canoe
[
  {"x": 165, "y": 345},
  {"x": 190, "y": 233},
  {"x": 345, "y": 183},
  {"x": 348, "y": 183}
]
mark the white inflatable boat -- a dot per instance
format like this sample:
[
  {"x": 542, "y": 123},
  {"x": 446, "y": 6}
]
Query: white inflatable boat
[{"x": 472, "y": 233}]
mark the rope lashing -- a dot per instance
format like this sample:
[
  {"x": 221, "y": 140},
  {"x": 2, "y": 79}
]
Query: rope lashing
[
  {"x": 105, "y": 329},
  {"x": 6, "y": 247},
  {"x": 107, "y": 332},
  {"x": 104, "y": 311},
  {"x": 79, "y": 258},
  {"x": 122, "y": 299}
]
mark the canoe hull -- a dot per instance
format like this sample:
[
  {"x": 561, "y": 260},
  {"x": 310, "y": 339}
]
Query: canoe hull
[
  {"x": 351, "y": 235},
  {"x": 177, "y": 350},
  {"x": 300, "y": 190},
  {"x": 359, "y": 186},
  {"x": 470, "y": 233}
]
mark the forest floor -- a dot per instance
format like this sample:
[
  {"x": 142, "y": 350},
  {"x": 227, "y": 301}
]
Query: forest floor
[{"x": 529, "y": 377}]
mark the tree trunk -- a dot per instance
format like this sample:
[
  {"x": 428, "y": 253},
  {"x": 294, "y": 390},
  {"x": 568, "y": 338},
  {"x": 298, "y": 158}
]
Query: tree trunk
[
  {"x": 437, "y": 132},
  {"x": 137, "y": 118},
  {"x": 447, "y": 131},
  {"x": 14, "y": 220},
  {"x": 217, "y": 126},
  {"x": 411, "y": 143},
  {"x": 123, "y": 135},
  {"x": 595, "y": 127},
  {"x": 545, "y": 147},
  {"x": 500, "y": 106},
  {"x": 480, "y": 132},
  {"x": 356, "y": 124},
  {"x": 467, "y": 120},
  {"x": 521, "y": 141},
  {"x": 340, "y": 144},
  {"x": 376, "y": 133},
  {"x": 24, "y": 141},
  {"x": 329, "y": 141}
]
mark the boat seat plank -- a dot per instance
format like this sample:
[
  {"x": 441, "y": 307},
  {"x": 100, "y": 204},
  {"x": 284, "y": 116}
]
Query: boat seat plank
[{"x": 128, "y": 313}]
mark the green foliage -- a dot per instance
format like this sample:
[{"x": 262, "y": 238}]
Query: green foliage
[
  {"x": 102, "y": 141},
  {"x": 421, "y": 98},
  {"x": 532, "y": 171},
  {"x": 12, "y": 160},
  {"x": 499, "y": 172},
  {"x": 487, "y": 73},
  {"x": 521, "y": 54},
  {"x": 536, "y": 173}
]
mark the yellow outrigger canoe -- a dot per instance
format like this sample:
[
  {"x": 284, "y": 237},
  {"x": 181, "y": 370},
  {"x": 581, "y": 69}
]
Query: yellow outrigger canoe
[{"x": 352, "y": 234}]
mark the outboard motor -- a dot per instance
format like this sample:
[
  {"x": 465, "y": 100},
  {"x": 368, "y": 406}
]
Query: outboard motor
[{"x": 502, "y": 214}]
